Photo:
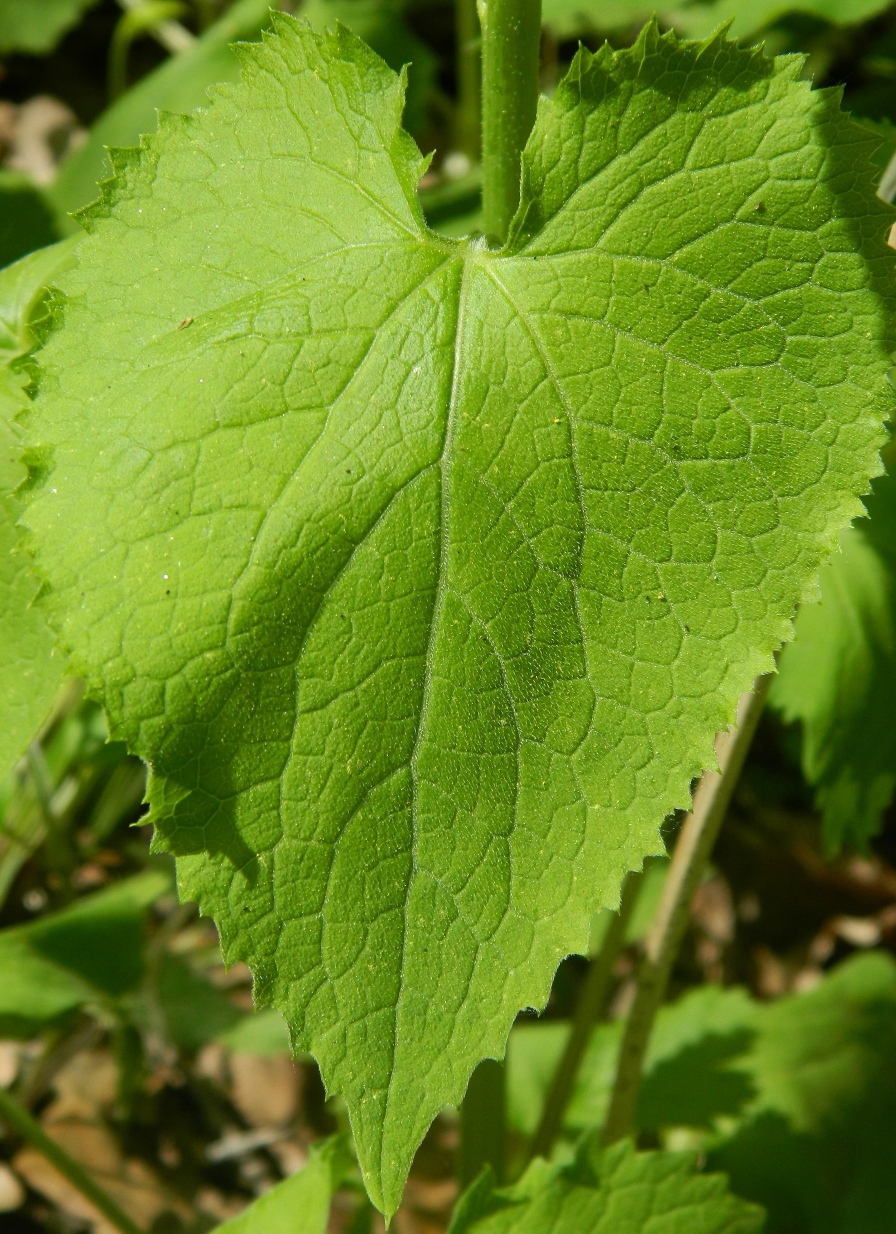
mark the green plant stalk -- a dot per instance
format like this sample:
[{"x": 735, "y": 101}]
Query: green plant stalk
[
  {"x": 468, "y": 122},
  {"x": 483, "y": 1123},
  {"x": 58, "y": 848},
  {"x": 511, "y": 33},
  {"x": 19, "y": 1118},
  {"x": 689, "y": 860},
  {"x": 590, "y": 1008}
]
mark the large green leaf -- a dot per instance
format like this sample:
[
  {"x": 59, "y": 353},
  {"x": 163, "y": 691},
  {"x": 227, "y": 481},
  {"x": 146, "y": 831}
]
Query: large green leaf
[
  {"x": 423, "y": 574},
  {"x": 838, "y": 677},
  {"x": 37, "y": 25},
  {"x": 609, "y": 1191},
  {"x": 29, "y": 671}
]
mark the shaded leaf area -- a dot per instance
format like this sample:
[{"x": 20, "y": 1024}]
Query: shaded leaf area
[
  {"x": 609, "y": 1191},
  {"x": 838, "y": 677},
  {"x": 795, "y": 1099},
  {"x": 387, "y": 569}
]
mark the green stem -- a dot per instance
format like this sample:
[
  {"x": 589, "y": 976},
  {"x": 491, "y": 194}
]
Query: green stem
[
  {"x": 483, "y": 1123},
  {"x": 590, "y": 1008},
  {"x": 59, "y": 851},
  {"x": 468, "y": 122},
  {"x": 511, "y": 32},
  {"x": 692, "y": 851},
  {"x": 19, "y": 1118}
]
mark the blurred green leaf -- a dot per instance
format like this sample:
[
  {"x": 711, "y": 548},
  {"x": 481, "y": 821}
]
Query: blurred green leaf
[
  {"x": 655, "y": 870},
  {"x": 300, "y": 1204},
  {"x": 30, "y": 674},
  {"x": 748, "y": 18},
  {"x": 58, "y": 963},
  {"x": 700, "y": 1034},
  {"x": 609, "y": 1191},
  {"x": 27, "y": 219},
  {"x": 568, "y": 18},
  {"x": 194, "y": 1010},
  {"x": 180, "y": 85},
  {"x": 262, "y": 1032},
  {"x": 816, "y": 1145},
  {"x": 838, "y": 677},
  {"x": 133, "y": 23},
  {"x": 37, "y": 25},
  {"x": 33, "y": 991}
]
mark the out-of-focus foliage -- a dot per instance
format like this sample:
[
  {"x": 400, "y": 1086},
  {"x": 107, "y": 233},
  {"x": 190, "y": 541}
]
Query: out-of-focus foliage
[
  {"x": 838, "y": 677},
  {"x": 796, "y": 1100},
  {"x": 180, "y": 84},
  {"x": 609, "y": 1191},
  {"x": 570, "y": 17},
  {"x": 91, "y": 951},
  {"x": 27, "y": 220},
  {"x": 37, "y": 25},
  {"x": 301, "y": 1204}
]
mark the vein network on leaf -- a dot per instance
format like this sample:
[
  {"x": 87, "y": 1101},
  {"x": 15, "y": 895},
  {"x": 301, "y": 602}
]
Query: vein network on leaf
[{"x": 423, "y": 575}]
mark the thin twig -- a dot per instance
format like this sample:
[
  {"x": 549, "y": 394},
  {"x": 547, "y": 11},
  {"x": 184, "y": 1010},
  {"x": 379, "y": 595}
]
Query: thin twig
[
  {"x": 172, "y": 35},
  {"x": 31, "y": 1130},
  {"x": 590, "y": 1008},
  {"x": 692, "y": 851}
]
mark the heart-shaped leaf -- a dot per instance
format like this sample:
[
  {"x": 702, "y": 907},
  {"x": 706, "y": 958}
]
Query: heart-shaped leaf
[{"x": 423, "y": 574}]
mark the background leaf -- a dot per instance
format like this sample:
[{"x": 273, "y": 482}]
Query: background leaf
[
  {"x": 610, "y": 1191},
  {"x": 746, "y": 19},
  {"x": 794, "y": 1100},
  {"x": 180, "y": 84},
  {"x": 838, "y": 677},
  {"x": 56, "y": 964},
  {"x": 300, "y": 1204},
  {"x": 37, "y": 25},
  {"x": 27, "y": 220}
]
